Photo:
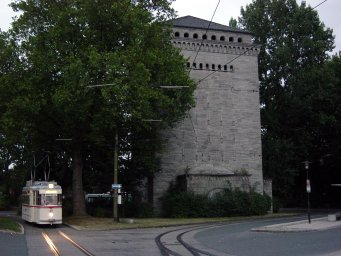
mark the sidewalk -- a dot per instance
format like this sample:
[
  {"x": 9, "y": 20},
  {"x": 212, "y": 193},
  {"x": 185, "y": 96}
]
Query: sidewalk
[{"x": 317, "y": 224}]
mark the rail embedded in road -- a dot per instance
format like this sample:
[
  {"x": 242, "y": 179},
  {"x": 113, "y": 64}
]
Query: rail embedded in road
[
  {"x": 54, "y": 248},
  {"x": 171, "y": 242},
  {"x": 86, "y": 252}
]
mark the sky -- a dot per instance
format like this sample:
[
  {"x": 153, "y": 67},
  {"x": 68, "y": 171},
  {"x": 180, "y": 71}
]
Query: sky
[
  {"x": 204, "y": 9},
  {"x": 329, "y": 12}
]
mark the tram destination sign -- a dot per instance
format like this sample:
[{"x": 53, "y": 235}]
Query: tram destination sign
[{"x": 116, "y": 186}]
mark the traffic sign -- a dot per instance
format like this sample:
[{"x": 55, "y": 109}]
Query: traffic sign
[{"x": 116, "y": 186}]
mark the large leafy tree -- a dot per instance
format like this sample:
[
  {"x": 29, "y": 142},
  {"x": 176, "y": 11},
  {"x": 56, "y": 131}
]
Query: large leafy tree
[
  {"x": 62, "y": 48},
  {"x": 326, "y": 123},
  {"x": 294, "y": 45}
]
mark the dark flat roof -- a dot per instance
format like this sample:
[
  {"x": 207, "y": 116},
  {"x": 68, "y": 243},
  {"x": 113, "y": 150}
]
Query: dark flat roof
[{"x": 193, "y": 22}]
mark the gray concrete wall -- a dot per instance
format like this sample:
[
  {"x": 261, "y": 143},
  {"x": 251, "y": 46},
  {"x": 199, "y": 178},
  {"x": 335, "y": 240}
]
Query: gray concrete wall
[
  {"x": 210, "y": 184},
  {"x": 221, "y": 134}
]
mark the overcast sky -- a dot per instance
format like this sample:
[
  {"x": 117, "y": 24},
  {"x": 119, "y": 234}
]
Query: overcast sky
[{"x": 329, "y": 12}]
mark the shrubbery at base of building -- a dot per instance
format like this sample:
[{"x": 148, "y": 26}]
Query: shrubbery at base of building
[{"x": 223, "y": 204}]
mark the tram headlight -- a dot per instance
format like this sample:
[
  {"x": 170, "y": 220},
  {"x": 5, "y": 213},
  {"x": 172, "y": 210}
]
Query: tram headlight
[{"x": 51, "y": 214}]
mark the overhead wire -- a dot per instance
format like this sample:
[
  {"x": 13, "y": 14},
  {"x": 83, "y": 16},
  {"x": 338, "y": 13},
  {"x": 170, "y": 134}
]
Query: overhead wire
[
  {"x": 229, "y": 62},
  {"x": 239, "y": 54},
  {"x": 320, "y": 4},
  {"x": 208, "y": 27},
  {"x": 197, "y": 53}
]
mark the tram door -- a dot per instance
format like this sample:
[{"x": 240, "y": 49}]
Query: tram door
[
  {"x": 27, "y": 200},
  {"x": 35, "y": 200}
]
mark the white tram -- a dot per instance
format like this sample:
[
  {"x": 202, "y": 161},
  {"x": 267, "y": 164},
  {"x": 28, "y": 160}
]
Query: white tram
[{"x": 42, "y": 202}]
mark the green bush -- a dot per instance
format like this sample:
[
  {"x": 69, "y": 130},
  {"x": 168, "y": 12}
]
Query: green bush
[
  {"x": 100, "y": 207},
  {"x": 259, "y": 204},
  {"x": 223, "y": 204},
  {"x": 145, "y": 210},
  {"x": 241, "y": 203},
  {"x": 185, "y": 205},
  {"x": 4, "y": 203}
]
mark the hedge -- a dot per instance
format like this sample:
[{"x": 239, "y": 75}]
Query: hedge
[{"x": 177, "y": 204}]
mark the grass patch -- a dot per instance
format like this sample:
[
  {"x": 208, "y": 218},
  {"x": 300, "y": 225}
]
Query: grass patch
[
  {"x": 10, "y": 225},
  {"x": 92, "y": 223}
]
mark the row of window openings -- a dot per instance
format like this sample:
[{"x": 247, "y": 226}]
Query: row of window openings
[
  {"x": 213, "y": 37},
  {"x": 207, "y": 45},
  {"x": 213, "y": 66}
]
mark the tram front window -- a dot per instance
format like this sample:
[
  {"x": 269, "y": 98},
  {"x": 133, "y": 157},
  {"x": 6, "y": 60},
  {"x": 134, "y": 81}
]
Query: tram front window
[{"x": 50, "y": 200}]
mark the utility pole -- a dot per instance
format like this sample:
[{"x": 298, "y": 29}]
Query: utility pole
[
  {"x": 115, "y": 186},
  {"x": 308, "y": 188},
  {"x": 115, "y": 190}
]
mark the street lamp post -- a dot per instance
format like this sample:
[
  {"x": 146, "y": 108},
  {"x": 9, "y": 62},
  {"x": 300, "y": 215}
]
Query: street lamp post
[
  {"x": 115, "y": 190},
  {"x": 306, "y": 167}
]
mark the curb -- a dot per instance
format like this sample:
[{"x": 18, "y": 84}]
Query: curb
[
  {"x": 21, "y": 232},
  {"x": 321, "y": 224}
]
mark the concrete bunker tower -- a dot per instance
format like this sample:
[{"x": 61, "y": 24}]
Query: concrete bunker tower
[{"x": 219, "y": 144}]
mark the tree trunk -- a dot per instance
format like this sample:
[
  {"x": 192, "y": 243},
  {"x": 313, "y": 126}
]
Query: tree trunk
[{"x": 78, "y": 198}]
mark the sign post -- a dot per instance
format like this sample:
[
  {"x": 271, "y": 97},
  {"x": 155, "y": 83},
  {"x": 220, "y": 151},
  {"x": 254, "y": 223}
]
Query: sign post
[
  {"x": 306, "y": 167},
  {"x": 115, "y": 192}
]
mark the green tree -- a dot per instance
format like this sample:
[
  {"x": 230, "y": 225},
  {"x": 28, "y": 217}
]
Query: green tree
[
  {"x": 326, "y": 123},
  {"x": 294, "y": 45},
  {"x": 233, "y": 23},
  {"x": 61, "y": 48}
]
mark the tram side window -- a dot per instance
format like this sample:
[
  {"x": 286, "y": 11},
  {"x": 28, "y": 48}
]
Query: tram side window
[{"x": 38, "y": 199}]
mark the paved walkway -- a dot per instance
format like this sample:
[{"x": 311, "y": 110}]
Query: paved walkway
[{"x": 318, "y": 224}]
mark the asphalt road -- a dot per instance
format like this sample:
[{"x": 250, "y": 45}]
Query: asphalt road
[
  {"x": 237, "y": 239},
  {"x": 11, "y": 243},
  {"x": 230, "y": 239}
]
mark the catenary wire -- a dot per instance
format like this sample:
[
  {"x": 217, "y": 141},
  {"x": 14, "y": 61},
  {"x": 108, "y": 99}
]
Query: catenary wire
[
  {"x": 202, "y": 40},
  {"x": 319, "y": 4},
  {"x": 238, "y": 56}
]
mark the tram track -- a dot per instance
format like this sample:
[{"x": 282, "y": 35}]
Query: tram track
[
  {"x": 175, "y": 243},
  {"x": 51, "y": 245},
  {"x": 172, "y": 242},
  {"x": 59, "y": 244}
]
